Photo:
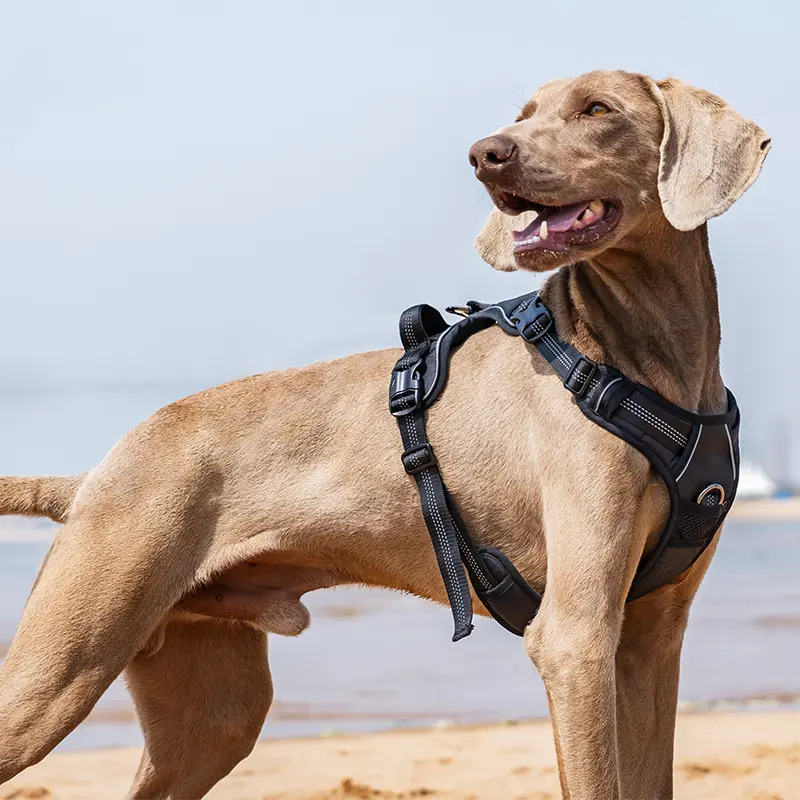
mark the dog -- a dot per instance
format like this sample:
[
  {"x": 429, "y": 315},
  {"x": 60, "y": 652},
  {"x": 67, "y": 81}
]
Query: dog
[{"x": 201, "y": 530}]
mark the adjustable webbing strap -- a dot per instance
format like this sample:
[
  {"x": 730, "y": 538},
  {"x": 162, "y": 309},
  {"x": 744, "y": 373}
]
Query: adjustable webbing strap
[{"x": 419, "y": 326}]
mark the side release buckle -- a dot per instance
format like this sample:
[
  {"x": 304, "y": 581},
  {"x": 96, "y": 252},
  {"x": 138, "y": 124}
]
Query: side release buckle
[
  {"x": 405, "y": 391},
  {"x": 534, "y": 331},
  {"x": 533, "y": 322}
]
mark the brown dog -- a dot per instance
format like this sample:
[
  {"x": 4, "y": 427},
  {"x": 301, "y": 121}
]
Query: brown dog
[{"x": 205, "y": 525}]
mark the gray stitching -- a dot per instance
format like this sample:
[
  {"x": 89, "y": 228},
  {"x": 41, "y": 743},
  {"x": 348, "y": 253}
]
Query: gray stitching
[
  {"x": 658, "y": 420},
  {"x": 557, "y": 350},
  {"x": 439, "y": 525},
  {"x": 653, "y": 420},
  {"x": 411, "y": 335},
  {"x": 427, "y": 485},
  {"x": 475, "y": 568}
]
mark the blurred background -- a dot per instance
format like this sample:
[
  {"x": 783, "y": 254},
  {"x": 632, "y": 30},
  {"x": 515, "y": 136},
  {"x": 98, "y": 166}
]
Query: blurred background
[{"x": 181, "y": 181}]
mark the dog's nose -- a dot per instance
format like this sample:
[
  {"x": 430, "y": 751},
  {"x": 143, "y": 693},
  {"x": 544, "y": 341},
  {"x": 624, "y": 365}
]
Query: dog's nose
[{"x": 492, "y": 155}]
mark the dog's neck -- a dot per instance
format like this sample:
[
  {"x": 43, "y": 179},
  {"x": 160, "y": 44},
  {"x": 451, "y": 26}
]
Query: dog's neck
[{"x": 648, "y": 306}]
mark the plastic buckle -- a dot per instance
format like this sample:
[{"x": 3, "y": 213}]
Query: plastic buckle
[
  {"x": 579, "y": 377},
  {"x": 405, "y": 395},
  {"x": 418, "y": 457},
  {"x": 531, "y": 330}
]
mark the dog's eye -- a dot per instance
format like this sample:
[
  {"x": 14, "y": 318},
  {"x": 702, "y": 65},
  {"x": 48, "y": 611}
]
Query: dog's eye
[{"x": 596, "y": 110}]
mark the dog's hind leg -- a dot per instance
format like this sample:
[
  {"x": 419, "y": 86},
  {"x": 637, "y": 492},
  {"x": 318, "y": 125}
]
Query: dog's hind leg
[
  {"x": 110, "y": 577},
  {"x": 202, "y": 699},
  {"x": 648, "y": 667}
]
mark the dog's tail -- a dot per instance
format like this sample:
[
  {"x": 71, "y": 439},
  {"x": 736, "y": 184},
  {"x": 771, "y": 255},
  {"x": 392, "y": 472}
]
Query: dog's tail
[{"x": 39, "y": 497}]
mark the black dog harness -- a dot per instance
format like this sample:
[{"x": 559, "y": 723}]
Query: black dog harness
[{"x": 697, "y": 456}]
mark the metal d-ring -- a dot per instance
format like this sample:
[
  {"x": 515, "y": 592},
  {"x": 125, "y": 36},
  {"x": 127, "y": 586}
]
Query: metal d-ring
[{"x": 715, "y": 487}]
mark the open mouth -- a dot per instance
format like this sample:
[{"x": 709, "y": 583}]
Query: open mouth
[{"x": 557, "y": 228}]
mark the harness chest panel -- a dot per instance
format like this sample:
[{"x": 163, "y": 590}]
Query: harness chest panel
[{"x": 697, "y": 456}]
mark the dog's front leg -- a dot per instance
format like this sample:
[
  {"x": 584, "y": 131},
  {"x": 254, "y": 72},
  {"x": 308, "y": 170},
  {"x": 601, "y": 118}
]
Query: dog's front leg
[
  {"x": 648, "y": 666},
  {"x": 592, "y": 550}
]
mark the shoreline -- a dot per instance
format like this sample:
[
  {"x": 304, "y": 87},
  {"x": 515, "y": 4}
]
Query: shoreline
[
  {"x": 738, "y": 756},
  {"x": 15, "y": 530},
  {"x": 744, "y": 704}
]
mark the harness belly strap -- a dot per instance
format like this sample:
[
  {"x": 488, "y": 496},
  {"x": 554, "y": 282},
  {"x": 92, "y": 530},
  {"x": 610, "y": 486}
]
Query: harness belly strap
[{"x": 696, "y": 455}]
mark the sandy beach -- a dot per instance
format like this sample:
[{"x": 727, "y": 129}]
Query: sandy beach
[
  {"x": 719, "y": 756},
  {"x": 767, "y": 509}
]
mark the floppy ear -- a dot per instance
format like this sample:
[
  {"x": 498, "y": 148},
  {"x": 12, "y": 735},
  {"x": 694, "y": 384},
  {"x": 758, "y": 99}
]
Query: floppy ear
[{"x": 710, "y": 154}]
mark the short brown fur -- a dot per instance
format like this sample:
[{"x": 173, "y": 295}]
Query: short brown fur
[{"x": 201, "y": 530}]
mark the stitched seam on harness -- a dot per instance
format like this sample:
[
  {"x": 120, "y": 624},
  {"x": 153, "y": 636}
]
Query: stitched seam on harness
[
  {"x": 412, "y": 336},
  {"x": 437, "y": 519},
  {"x": 558, "y": 351},
  {"x": 653, "y": 420},
  {"x": 658, "y": 420},
  {"x": 538, "y": 327},
  {"x": 427, "y": 486},
  {"x": 468, "y": 554}
]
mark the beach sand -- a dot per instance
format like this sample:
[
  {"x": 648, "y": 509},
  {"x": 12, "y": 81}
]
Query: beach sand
[
  {"x": 719, "y": 756},
  {"x": 768, "y": 509}
]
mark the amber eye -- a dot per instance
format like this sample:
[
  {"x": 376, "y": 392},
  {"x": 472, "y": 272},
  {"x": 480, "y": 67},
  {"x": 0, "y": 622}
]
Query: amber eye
[{"x": 596, "y": 110}]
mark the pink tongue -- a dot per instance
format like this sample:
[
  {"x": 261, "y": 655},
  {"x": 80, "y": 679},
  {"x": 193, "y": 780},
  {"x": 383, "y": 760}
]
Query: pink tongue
[{"x": 557, "y": 220}]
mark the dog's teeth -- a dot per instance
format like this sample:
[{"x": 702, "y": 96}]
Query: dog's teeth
[
  {"x": 543, "y": 230},
  {"x": 596, "y": 206},
  {"x": 535, "y": 239}
]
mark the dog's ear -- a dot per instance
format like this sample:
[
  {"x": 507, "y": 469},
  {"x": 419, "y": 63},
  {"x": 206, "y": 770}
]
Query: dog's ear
[
  {"x": 495, "y": 244},
  {"x": 710, "y": 154}
]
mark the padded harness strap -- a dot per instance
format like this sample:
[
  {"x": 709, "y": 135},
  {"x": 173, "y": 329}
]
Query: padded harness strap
[{"x": 697, "y": 456}]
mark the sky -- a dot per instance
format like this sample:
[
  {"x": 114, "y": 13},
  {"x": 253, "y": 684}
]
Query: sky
[{"x": 184, "y": 184}]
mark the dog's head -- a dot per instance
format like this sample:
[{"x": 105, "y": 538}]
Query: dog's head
[{"x": 589, "y": 159}]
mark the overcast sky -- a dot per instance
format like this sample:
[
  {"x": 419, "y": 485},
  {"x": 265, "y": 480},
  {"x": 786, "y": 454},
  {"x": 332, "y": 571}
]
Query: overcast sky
[{"x": 183, "y": 183}]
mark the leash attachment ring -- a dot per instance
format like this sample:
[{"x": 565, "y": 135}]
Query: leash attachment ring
[{"x": 707, "y": 493}]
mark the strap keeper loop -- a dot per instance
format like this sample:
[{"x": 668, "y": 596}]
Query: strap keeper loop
[
  {"x": 418, "y": 458},
  {"x": 580, "y": 376}
]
